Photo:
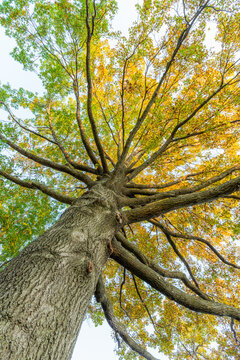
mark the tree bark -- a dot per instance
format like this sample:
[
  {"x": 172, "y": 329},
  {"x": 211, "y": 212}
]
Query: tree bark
[{"x": 45, "y": 291}]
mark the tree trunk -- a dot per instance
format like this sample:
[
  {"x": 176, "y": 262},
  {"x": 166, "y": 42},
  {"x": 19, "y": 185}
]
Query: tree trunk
[{"x": 45, "y": 291}]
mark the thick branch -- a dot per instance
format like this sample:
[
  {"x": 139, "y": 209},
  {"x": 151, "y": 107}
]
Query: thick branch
[
  {"x": 51, "y": 164},
  {"x": 157, "y": 208},
  {"x": 173, "y": 193},
  {"x": 126, "y": 259},
  {"x": 102, "y": 297},
  {"x": 158, "y": 269},
  {"x": 235, "y": 197},
  {"x": 43, "y": 188}
]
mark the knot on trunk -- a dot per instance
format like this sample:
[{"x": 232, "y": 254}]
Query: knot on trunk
[
  {"x": 119, "y": 217},
  {"x": 90, "y": 267}
]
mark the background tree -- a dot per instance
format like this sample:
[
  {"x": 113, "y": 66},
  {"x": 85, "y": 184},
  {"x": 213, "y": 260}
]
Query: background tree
[{"x": 139, "y": 135}]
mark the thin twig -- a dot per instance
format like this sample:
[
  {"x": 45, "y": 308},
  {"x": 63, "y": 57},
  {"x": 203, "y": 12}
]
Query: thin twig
[{"x": 144, "y": 304}]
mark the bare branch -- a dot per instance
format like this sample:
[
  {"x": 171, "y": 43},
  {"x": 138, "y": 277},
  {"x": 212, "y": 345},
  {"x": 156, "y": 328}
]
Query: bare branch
[
  {"x": 43, "y": 188},
  {"x": 234, "y": 333},
  {"x": 144, "y": 304},
  {"x": 132, "y": 200},
  {"x": 120, "y": 293},
  {"x": 105, "y": 119},
  {"x": 103, "y": 298},
  {"x": 162, "y": 186},
  {"x": 235, "y": 197},
  {"x": 108, "y": 157}
]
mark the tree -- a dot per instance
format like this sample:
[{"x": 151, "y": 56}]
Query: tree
[{"x": 136, "y": 139}]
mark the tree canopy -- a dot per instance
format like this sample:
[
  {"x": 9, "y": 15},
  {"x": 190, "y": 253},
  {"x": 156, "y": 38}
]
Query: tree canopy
[{"x": 154, "y": 116}]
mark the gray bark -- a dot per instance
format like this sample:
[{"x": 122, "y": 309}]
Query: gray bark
[{"x": 45, "y": 291}]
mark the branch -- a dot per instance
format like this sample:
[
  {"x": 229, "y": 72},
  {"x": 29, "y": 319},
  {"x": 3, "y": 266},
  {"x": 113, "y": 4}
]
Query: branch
[
  {"x": 197, "y": 238},
  {"x": 105, "y": 119},
  {"x": 108, "y": 157},
  {"x": 131, "y": 200},
  {"x": 155, "y": 186},
  {"x": 234, "y": 333},
  {"x": 65, "y": 153},
  {"x": 47, "y": 46},
  {"x": 89, "y": 87},
  {"x": 43, "y": 188},
  {"x": 55, "y": 142},
  {"x": 120, "y": 294},
  {"x": 137, "y": 44},
  {"x": 165, "y": 273},
  {"x": 51, "y": 164},
  {"x": 85, "y": 141},
  {"x": 103, "y": 298},
  {"x": 181, "y": 257},
  {"x": 122, "y": 100},
  {"x": 235, "y": 197},
  {"x": 154, "y": 196},
  {"x": 126, "y": 259},
  {"x": 139, "y": 122},
  {"x": 157, "y": 208},
  {"x": 5, "y": 263},
  {"x": 163, "y": 147},
  {"x": 144, "y": 304},
  {"x": 23, "y": 126}
]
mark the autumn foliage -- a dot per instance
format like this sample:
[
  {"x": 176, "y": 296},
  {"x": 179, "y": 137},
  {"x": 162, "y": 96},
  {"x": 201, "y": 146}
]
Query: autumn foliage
[{"x": 154, "y": 115}]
